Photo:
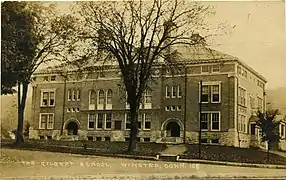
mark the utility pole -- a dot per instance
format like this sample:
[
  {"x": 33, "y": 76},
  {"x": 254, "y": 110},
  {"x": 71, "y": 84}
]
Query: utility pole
[
  {"x": 185, "y": 104},
  {"x": 200, "y": 116}
]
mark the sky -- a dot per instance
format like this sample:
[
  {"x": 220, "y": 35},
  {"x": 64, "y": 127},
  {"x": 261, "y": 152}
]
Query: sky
[{"x": 257, "y": 35}]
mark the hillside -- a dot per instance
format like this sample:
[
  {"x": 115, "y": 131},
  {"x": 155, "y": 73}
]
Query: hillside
[{"x": 277, "y": 99}]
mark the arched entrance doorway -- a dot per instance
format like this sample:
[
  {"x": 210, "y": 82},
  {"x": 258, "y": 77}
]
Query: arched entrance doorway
[
  {"x": 173, "y": 129},
  {"x": 72, "y": 128}
]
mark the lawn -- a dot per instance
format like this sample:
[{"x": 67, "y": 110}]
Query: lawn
[
  {"x": 232, "y": 154},
  {"x": 208, "y": 152}
]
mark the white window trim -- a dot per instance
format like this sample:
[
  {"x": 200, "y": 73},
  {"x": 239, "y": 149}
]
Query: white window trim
[
  {"x": 213, "y": 68},
  {"x": 280, "y": 130},
  {"x": 204, "y": 112},
  {"x": 40, "y": 120},
  {"x": 89, "y": 121},
  {"x": 202, "y": 69},
  {"x": 179, "y": 109},
  {"x": 179, "y": 90},
  {"x": 108, "y": 106},
  {"x": 73, "y": 95},
  {"x": 48, "y": 91},
  {"x": 78, "y": 95},
  {"x": 144, "y": 120},
  {"x": 166, "y": 108},
  {"x": 167, "y": 90},
  {"x": 209, "y": 83},
  {"x": 173, "y": 87},
  {"x": 245, "y": 105},
  {"x": 69, "y": 93},
  {"x": 125, "y": 121},
  {"x": 173, "y": 108},
  {"x": 103, "y": 121},
  {"x": 200, "y": 94},
  {"x": 99, "y": 106},
  {"x": 219, "y": 120},
  {"x": 219, "y": 92}
]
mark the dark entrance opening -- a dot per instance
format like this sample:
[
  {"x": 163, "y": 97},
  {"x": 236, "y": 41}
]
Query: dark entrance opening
[
  {"x": 72, "y": 128},
  {"x": 173, "y": 129}
]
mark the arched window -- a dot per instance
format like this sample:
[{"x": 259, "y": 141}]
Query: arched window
[
  {"x": 101, "y": 97},
  {"x": 109, "y": 97},
  {"x": 91, "y": 101}
]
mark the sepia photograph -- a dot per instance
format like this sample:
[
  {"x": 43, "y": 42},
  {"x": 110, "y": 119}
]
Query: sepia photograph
[{"x": 143, "y": 89}]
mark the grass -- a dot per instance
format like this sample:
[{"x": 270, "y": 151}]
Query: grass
[
  {"x": 232, "y": 154},
  {"x": 208, "y": 152}
]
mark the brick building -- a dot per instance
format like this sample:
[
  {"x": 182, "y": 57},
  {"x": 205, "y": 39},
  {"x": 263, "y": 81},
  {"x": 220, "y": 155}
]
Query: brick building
[{"x": 93, "y": 106}]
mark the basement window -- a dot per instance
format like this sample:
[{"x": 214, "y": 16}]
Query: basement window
[
  {"x": 204, "y": 141},
  {"x": 49, "y": 137},
  {"x": 89, "y": 138},
  {"x": 107, "y": 138},
  {"x": 146, "y": 139},
  {"x": 214, "y": 141},
  {"x": 98, "y": 138},
  {"x": 42, "y": 137}
]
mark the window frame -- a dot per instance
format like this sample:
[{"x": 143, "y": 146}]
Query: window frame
[
  {"x": 78, "y": 95},
  {"x": 205, "y": 72},
  {"x": 47, "y": 120},
  {"x": 102, "y": 121},
  {"x": 49, "y": 98},
  {"x": 174, "y": 90},
  {"x": 179, "y": 92},
  {"x": 88, "y": 121},
  {"x": 218, "y": 68},
  {"x": 168, "y": 92},
  {"x": 105, "y": 123},
  {"x": 200, "y": 122},
  {"x": 219, "y": 120},
  {"x": 147, "y": 120},
  {"x": 219, "y": 93},
  {"x": 125, "y": 121}
]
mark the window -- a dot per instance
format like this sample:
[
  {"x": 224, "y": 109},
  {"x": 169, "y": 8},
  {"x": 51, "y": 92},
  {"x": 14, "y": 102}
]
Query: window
[
  {"x": 49, "y": 138},
  {"x": 282, "y": 131},
  {"x": 127, "y": 139},
  {"x": 168, "y": 92},
  {"x": 91, "y": 100},
  {"x": 53, "y": 78},
  {"x": 48, "y": 98},
  {"x": 99, "y": 121},
  {"x": 205, "y": 94},
  {"x": 167, "y": 108},
  {"x": 69, "y": 95},
  {"x": 78, "y": 95},
  {"x": 146, "y": 139},
  {"x": 252, "y": 102},
  {"x": 101, "y": 97},
  {"x": 260, "y": 103},
  {"x": 241, "y": 96},
  {"x": 173, "y": 108},
  {"x": 117, "y": 125},
  {"x": 239, "y": 70},
  {"x": 242, "y": 123},
  {"x": 89, "y": 138},
  {"x": 147, "y": 122},
  {"x": 179, "y": 92},
  {"x": 73, "y": 95},
  {"x": 215, "y": 93},
  {"x": 106, "y": 138},
  {"x": 216, "y": 68},
  {"x": 109, "y": 97},
  {"x": 91, "y": 120},
  {"x": 73, "y": 109},
  {"x": 108, "y": 121},
  {"x": 127, "y": 121},
  {"x": 179, "y": 108},
  {"x": 46, "y": 78},
  {"x": 98, "y": 138},
  {"x": 68, "y": 109},
  {"x": 214, "y": 141},
  {"x": 140, "y": 119},
  {"x": 77, "y": 109},
  {"x": 204, "y": 121},
  {"x": 204, "y": 69},
  {"x": 215, "y": 121},
  {"x": 174, "y": 92},
  {"x": 42, "y": 137},
  {"x": 148, "y": 96},
  {"x": 46, "y": 121}
]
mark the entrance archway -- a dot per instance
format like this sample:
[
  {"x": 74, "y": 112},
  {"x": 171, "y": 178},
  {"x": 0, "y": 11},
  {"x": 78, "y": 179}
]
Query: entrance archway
[
  {"x": 72, "y": 128},
  {"x": 173, "y": 129}
]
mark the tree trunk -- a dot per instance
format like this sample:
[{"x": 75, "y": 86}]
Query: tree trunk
[
  {"x": 134, "y": 130},
  {"x": 21, "y": 109}
]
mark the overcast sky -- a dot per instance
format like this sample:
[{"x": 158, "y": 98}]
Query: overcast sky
[{"x": 258, "y": 37}]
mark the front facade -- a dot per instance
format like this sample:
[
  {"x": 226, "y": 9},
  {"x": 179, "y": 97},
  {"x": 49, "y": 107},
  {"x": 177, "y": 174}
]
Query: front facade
[{"x": 93, "y": 106}]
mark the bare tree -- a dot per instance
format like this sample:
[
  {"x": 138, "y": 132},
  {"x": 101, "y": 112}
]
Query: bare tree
[{"x": 136, "y": 35}]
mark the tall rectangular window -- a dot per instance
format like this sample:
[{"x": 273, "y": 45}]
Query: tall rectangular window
[
  {"x": 241, "y": 96},
  {"x": 127, "y": 121},
  {"x": 101, "y": 97},
  {"x": 204, "y": 121},
  {"x": 179, "y": 92},
  {"x": 69, "y": 95},
  {"x": 148, "y": 96},
  {"x": 174, "y": 91},
  {"x": 48, "y": 98},
  {"x": 108, "y": 121},
  {"x": 99, "y": 123},
  {"x": 46, "y": 121},
  {"x": 78, "y": 95},
  {"x": 205, "y": 69},
  {"x": 73, "y": 95},
  {"x": 260, "y": 103},
  {"x": 117, "y": 125},
  {"x": 91, "y": 121},
  {"x": 147, "y": 121},
  {"x": 215, "y": 121},
  {"x": 215, "y": 93},
  {"x": 168, "y": 93},
  {"x": 205, "y": 94}
]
